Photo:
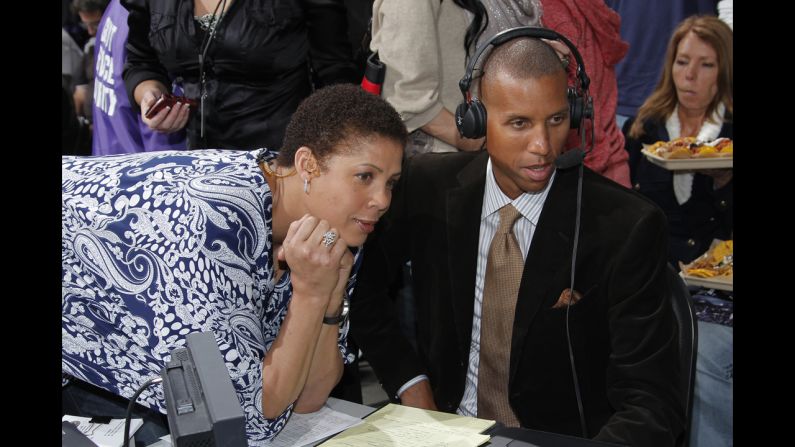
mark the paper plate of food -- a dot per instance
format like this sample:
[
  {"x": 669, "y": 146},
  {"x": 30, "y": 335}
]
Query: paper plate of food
[
  {"x": 714, "y": 269},
  {"x": 689, "y": 154}
]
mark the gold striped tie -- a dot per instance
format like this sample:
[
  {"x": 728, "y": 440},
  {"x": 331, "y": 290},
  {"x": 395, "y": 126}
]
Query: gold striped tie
[{"x": 503, "y": 274}]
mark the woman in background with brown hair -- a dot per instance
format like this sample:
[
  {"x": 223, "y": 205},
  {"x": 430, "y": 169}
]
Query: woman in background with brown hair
[{"x": 694, "y": 98}]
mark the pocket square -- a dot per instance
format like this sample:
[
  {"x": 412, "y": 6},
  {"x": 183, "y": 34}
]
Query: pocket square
[{"x": 564, "y": 298}]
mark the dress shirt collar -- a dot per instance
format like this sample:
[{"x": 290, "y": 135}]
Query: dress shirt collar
[{"x": 528, "y": 204}]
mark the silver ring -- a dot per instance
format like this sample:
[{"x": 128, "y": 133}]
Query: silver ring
[
  {"x": 329, "y": 237},
  {"x": 565, "y": 61}
]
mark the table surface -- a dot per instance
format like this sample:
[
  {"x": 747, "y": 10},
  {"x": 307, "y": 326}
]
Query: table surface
[
  {"x": 500, "y": 436},
  {"x": 522, "y": 437},
  {"x": 351, "y": 408}
]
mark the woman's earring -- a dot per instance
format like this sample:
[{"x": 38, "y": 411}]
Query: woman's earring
[{"x": 306, "y": 185}]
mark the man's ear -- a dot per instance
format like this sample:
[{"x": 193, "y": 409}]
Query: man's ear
[{"x": 306, "y": 163}]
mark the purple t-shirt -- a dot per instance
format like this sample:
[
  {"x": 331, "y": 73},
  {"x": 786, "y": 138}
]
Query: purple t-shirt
[{"x": 118, "y": 128}]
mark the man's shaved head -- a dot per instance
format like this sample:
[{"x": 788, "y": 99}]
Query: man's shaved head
[{"x": 522, "y": 58}]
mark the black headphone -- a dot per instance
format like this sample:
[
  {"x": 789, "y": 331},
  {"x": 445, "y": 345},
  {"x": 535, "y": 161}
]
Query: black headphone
[{"x": 470, "y": 115}]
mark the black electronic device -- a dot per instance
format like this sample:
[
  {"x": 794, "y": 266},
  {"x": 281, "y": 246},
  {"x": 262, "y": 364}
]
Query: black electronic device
[
  {"x": 202, "y": 405},
  {"x": 167, "y": 100},
  {"x": 470, "y": 115}
]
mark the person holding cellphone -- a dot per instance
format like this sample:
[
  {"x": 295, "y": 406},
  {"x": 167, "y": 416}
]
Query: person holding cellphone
[{"x": 247, "y": 64}]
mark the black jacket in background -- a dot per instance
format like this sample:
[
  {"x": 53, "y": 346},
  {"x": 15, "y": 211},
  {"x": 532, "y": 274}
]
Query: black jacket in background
[
  {"x": 258, "y": 66},
  {"x": 693, "y": 225}
]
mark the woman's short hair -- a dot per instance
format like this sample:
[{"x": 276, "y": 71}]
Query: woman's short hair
[
  {"x": 338, "y": 114},
  {"x": 661, "y": 103}
]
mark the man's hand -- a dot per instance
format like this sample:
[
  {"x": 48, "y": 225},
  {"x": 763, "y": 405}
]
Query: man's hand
[
  {"x": 564, "y": 52},
  {"x": 419, "y": 395}
]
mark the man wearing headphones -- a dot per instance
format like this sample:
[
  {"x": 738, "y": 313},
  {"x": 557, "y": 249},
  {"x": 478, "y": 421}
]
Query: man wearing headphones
[{"x": 498, "y": 335}]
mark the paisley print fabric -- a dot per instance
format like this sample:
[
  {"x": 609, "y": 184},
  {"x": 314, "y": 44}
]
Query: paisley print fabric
[{"x": 158, "y": 245}]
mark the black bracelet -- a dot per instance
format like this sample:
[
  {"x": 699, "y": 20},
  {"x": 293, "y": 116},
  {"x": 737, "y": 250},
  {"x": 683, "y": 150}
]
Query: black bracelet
[
  {"x": 341, "y": 315},
  {"x": 337, "y": 319}
]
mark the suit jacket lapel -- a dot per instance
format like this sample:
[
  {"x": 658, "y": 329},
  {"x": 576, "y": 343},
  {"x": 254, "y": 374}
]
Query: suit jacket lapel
[
  {"x": 548, "y": 258},
  {"x": 463, "y": 211}
]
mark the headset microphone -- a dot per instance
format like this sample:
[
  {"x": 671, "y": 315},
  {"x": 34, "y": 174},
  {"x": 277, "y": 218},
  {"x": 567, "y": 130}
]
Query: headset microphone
[
  {"x": 575, "y": 157},
  {"x": 570, "y": 159}
]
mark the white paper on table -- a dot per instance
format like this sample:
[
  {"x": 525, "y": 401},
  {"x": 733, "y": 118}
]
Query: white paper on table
[
  {"x": 303, "y": 429},
  {"x": 401, "y": 426},
  {"x": 104, "y": 435}
]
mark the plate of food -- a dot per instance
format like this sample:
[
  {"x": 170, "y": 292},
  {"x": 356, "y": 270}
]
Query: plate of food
[
  {"x": 689, "y": 154},
  {"x": 714, "y": 269}
]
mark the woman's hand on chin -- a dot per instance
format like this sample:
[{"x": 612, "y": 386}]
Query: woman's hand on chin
[{"x": 318, "y": 259}]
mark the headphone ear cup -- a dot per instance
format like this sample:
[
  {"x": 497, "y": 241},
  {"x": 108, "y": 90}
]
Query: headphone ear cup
[
  {"x": 576, "y": 107},
  {"x": 474, "y": 120},
  {"x": 460, "y": 113},
  {"x": 587, "y": 107}
]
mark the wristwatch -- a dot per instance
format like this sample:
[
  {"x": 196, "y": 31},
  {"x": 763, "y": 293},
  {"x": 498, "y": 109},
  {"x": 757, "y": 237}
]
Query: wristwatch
[{"x": 342, "y": 316}]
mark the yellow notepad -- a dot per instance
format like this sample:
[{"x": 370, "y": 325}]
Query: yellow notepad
[{"x": 398, "y": 426}]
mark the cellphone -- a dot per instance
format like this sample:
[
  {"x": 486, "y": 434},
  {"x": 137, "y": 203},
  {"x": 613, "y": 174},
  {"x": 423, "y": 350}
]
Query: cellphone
[{"x": 167, "y": 100}]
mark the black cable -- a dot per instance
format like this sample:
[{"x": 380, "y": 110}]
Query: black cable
[
  {"x": 146, "y": 385},
  {"x": 568, "y": 304},
  {"x": 209, "y": 36},
  {"x": 571, "y": 286}
]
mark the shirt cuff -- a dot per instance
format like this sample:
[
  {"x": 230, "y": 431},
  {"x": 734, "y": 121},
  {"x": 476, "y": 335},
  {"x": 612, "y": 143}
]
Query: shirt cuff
[{"x": 411, "y": 383}]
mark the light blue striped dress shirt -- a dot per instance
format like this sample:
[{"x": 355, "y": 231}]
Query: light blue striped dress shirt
[{"x": 530, "y": 206}]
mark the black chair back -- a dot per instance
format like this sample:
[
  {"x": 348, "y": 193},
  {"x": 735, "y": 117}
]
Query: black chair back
[{"x": 688, "y": 343}]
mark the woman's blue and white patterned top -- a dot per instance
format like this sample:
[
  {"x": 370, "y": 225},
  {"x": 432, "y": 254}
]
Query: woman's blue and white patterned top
[{"x": 160, "y": 244}]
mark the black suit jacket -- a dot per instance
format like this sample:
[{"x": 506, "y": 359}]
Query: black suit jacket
[{"x": 623, "y": 331}]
